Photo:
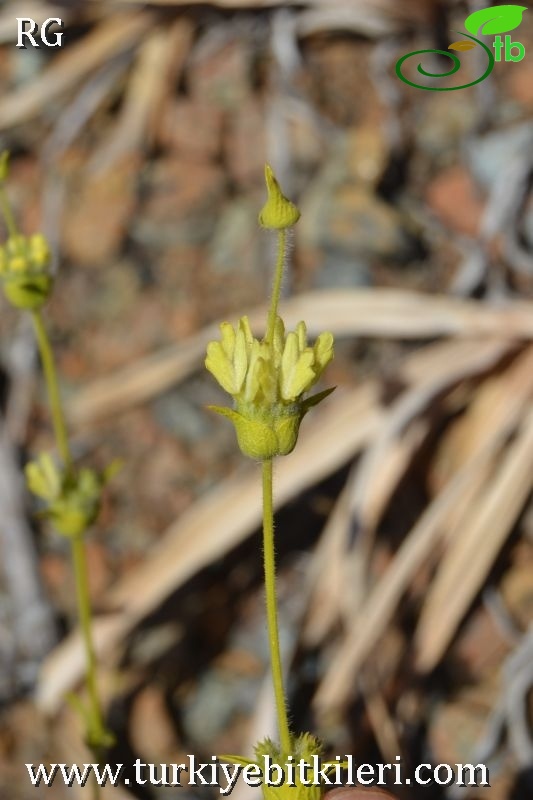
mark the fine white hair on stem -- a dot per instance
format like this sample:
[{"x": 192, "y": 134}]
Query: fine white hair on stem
[{"x": 287, "y": 272}]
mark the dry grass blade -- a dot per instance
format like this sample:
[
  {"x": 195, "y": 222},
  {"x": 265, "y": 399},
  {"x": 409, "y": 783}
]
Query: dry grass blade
[
  {"x": 145, "y": 92},
  {"x": 140, "y": 381},
  {"x": 359, "y": 312},
  {"x": 470, "y": 558},
  {"x": 385, "y": 460},
  {"x": 407, "y": 315},
  {"x": 376, "y": 18},
  {"x": 214, "y": 525},
  {"x": 327, "y": 572},
  {"x": 515, "y": 387},
  {"x": 381, "y": 464},
  {"x": 380, "y": 717},
  {"x": 367, "y": 628},
  {"x": 333, "y": 592},
  {"x": 109, "y": 39}
]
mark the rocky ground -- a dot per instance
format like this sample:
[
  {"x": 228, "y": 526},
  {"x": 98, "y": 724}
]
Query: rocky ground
[{"x": 139, "y": 149}]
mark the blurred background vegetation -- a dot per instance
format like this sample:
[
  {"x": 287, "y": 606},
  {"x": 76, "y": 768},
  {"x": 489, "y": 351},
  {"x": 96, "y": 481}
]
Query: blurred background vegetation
[{"x": 405, "y": 528}]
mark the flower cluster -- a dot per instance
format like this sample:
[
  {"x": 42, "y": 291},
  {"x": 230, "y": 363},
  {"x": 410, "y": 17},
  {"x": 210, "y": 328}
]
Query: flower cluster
[
  {"x": 72, "y": 499},
  {"x": 304, "y": 747},
  {"x": 25, "y": 270},
  {"x": 267, "y": 380}
]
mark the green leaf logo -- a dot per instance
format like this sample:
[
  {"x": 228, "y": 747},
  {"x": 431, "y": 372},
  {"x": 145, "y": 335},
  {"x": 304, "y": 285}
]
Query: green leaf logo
[{"x": 498, "y": 19}]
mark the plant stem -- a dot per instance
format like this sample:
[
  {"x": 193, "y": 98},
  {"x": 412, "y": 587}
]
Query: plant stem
[
  {"x": 271, "y": 608},
  {"x": 96, "y": 728},
  {"x": 276, "y": 287},
  {"x": 5, "y": 208},
  {"x": 96, "y": 724},
  {"x": 56, "y": 409}
]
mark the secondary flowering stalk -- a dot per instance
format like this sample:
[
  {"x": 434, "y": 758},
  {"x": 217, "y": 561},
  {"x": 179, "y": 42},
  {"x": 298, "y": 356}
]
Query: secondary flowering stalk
[
  {"x": 71, "y": 497},
  {"x": 268, "y": 379}
]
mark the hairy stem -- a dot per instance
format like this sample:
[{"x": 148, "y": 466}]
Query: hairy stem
[
  {"x": 271, "y": 608},
  {"x": 50, "y": 374},
  {"x": 96, "y": 729},
  {"x": 276, "y": 287},
  {"x": 96, "y": 724}
]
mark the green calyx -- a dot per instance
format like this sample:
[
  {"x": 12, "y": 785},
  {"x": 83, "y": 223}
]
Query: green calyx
[
  {"x": 72, "y": 499},
  {"x": 25, "y": 271}
]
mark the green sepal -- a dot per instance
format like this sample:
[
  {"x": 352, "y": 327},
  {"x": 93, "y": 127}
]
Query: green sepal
[
  {"x": 255, "y": 437},
  {"x": 27, "y": 292}
]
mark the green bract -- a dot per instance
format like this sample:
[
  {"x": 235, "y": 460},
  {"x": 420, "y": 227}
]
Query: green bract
[{"x": 267, "y": 380}]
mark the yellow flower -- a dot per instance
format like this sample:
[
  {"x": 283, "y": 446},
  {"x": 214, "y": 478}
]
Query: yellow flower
[
  {"x": 304, "y": 747},
  {"x": 25, "y": 270},
  {"x": 72, "y": 499},
  {"x": 267, "y": 380}
]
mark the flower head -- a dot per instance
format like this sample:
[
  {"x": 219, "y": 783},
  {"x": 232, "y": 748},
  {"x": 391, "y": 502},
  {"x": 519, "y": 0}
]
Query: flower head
[
  {"x": 72, "y": 500},
  {"x": 267, "y": 380},
  {"x": 25, "y": 270},
  {"x": 305, "y": 747}
]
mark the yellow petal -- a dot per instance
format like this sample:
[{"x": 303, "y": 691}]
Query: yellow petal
[
  {"x": 301, "y": 332},
  {"x": 296, "y": 369},
  {"x": 240, "y": 360},
  {"x": 267, "y": 377},
  {"x": 251, "y": 386},
  {"x": 323, "y": 350},
  {"x": 244, "y": 325},
  {"x": 228, "y": 339},
  {"x": 219, "y": 366},
  {"x": 278, "y": 341}
]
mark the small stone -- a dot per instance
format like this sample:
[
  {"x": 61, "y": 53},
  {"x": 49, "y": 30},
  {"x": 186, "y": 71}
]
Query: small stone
[
  {"x": 193, "y": 128},
  {"x": 347, "y": 219},
  {"x": 178, "y": 414},
  {"x": 366, "y": 153},
  {"x": 182, "y": 204},
  {"x": 245, "y": 143},
  {"x": 220, "y": 69},
  {"x": 489, "y": 155},
  {"x": 519, "y": 84},
  {"x": 98, "y": 213},
  {"x": 453, "y": 197},
  {"x": 234, "y": 243},
  {"x": 445, "y": 118}
]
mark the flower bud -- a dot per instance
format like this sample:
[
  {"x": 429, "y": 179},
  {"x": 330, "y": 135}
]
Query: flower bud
[
  {"x": 25, "y": 270},
  {"x": 72, "y": 499},
  {"x": 278, "y": 212}
]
